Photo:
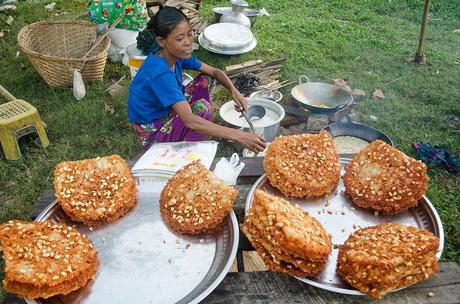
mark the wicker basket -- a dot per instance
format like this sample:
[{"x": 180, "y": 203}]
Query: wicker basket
[{"x": 56, "y": 48}]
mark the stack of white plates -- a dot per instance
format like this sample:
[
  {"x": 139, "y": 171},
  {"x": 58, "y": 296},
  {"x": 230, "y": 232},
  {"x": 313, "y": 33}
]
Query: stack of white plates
[{"x": 227, "y": 39}]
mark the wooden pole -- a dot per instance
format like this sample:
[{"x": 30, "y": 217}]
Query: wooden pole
[
  {"x": 419, "y": 56},
  {"x": 6, "y": 94}
]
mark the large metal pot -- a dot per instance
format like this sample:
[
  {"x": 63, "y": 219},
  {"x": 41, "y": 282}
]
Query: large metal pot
[
  {"x": 268, "y": 126},
  {"x": 320, "y": 97}
]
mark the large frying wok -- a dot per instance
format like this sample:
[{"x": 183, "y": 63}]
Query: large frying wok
[
  {"x": 320, "y": 97},
  {"x": 346, "y": 127}
]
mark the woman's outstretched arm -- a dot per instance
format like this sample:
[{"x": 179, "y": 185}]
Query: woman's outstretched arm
[
  {"x": 194, "y": 122},
  {"x": 223, "y": 79}
]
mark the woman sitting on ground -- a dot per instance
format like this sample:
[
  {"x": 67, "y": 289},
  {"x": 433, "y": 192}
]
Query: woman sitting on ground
[{"x": 157, "y": 106}]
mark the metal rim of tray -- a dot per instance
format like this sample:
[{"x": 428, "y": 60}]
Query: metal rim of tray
[
  {"x": 233, "y": 239},
  {"x": 432, "y": 214},
  {"x": 205, "y": 44}
]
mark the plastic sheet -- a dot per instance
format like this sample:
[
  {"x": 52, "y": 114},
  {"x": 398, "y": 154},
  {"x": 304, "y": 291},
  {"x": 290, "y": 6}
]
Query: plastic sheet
[
  {"x": 170, "y": 157},
  {"x": 436, "y": 155}
]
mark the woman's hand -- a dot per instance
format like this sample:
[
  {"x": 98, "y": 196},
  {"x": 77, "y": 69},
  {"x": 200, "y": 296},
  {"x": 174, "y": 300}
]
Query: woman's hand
[
  {"x": 240, "y": 100},
  {"x": 251, "y": 141},
  {"x": 194, "y": 122}
]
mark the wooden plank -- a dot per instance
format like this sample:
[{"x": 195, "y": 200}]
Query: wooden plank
[
  {"x": 12, "y": 299},
  {"x": 202, "y": 26},
  {"x": 269, "y": 287},
  {"x": 241, "y": 67},
  {"x": 236, "y": 67},
  {"x": 191, "y": 7},
  {"x": 250, "y": 66},
  {"x": 255, "y": 70},
  {"x": 47, "y": 198},
  {"x": 276, "y": 61}
]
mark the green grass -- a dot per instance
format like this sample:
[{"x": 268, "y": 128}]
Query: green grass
[{"x": 364, "y": 41}]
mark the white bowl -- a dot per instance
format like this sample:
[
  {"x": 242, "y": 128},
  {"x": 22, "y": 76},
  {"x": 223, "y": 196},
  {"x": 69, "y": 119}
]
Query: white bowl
[{"x": 267, "y": 126}]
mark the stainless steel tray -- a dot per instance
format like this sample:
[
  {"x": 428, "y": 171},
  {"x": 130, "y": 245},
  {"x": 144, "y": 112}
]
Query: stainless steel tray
[
  {"x": 142, "y": 261},
  {"x": 340, "y": 217},
  {"x": 225, "y": 44},
  {"x": 224, "y": 51}
]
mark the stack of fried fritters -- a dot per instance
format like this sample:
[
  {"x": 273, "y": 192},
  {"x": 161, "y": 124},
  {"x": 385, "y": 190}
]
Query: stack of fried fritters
[
  {"x": 195, "y": 200},
  {"x": 305, "y": 165},
  {"x": 385, "y": 179},
  {"x": 95, "y": 191},
  {"x": 45, "y": 259},
  {"x": 287, "y": 238},
  {"x": 378, "y": 259}
]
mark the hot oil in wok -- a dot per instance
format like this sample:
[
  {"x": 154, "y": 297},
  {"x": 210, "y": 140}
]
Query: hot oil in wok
[{"x": 320, "y": 104}]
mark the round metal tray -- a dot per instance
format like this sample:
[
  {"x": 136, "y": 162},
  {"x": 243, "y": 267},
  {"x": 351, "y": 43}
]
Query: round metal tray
[
  {"x": 142, "y": 261},
  {"x": 230, "y": 35},
  {"x": 340, "y": 217},
  {"x": 223, "y": 51},
  {"x": 224, "y": 45}
]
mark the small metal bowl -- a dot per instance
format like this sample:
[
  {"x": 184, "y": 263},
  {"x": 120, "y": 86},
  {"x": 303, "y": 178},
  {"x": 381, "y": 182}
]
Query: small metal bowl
[
  {"x": 247, "y": 153},
  {"x": 273, "y": 95}
]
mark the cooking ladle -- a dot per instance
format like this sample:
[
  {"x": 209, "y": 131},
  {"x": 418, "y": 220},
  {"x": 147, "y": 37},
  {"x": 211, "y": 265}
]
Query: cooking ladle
[
  {"x": 256, "y": 111},
  {"x": 253, "y": 111}
]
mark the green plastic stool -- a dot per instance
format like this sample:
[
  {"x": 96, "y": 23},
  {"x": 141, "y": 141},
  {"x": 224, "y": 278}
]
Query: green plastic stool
[{"x": 18, "y": 118}]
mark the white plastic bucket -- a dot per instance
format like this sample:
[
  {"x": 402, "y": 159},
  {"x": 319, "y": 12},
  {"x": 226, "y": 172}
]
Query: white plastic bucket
[
  {"x": 135, "y": 59},
  {"x": 122, "y": 37}
]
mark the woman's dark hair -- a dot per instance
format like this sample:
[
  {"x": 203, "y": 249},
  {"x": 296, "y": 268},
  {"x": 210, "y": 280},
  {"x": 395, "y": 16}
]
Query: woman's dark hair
[{"x": 165, "y": 20}]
